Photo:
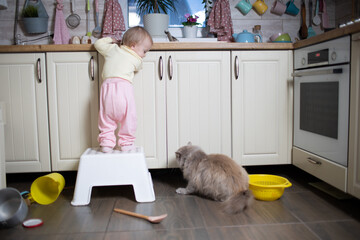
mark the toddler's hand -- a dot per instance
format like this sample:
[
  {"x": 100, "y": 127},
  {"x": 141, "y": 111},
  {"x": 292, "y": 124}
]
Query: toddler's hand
[{"x": 115, "y": 41}]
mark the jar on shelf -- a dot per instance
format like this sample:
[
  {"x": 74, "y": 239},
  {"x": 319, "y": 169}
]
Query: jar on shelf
[{"x": 258, "y": 34}]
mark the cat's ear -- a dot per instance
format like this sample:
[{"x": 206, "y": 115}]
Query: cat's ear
[
  {"x": 189, "y": 143},
  {"x": 178, "y": 155}
]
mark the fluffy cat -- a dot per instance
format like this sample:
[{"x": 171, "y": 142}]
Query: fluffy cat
[{"x": 215, "y": 176}]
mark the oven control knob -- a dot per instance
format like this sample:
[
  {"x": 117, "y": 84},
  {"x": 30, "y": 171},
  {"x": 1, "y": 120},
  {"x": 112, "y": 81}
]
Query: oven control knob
[
  {"x": 333, "y": 56},
  {"x": 303, "y": 61}
]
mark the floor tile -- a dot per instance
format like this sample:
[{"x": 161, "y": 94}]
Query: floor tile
[
  {"x": 308, "y": 207},
  {"x": 263, "y": 232},
  {"x": 61, "y": 217},
  {"x": 261, "y": 212},
  {"x": 184, "y": 234},
  {"x": 69, "y": 236},
  {"x": 182, "y": 213},
  {"x": 349, "y": 230}
]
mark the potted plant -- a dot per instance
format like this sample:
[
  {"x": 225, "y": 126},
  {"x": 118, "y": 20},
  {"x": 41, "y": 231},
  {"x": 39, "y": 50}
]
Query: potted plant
[
  {"x": 34, "y": 17},
  {"x": 155, "y": 17},
  {"x": 190, "y": 26}
]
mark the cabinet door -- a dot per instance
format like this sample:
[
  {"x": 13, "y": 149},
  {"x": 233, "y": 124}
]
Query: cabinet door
[
  {"x": 354, "y": 132},
  {"x": 23, "y": 91},
  {"x": 261, "y": 104},
  {"x": 149, "y": 87},
  {"x": 73, "y": 106},
  {"x": 198, "y": 101}
]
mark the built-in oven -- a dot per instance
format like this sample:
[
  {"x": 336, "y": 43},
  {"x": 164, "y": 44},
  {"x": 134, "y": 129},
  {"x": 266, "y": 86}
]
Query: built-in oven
[{"x": 321, "y": 105}]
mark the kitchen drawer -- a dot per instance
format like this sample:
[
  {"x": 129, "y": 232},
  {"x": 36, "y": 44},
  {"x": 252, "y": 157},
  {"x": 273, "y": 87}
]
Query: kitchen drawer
[{"x": 332, "y": 173}]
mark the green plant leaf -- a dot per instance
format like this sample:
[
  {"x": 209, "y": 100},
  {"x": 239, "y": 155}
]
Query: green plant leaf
[
  {"x": 30, "y": 11},
  {"x": 155, "y": 6}
]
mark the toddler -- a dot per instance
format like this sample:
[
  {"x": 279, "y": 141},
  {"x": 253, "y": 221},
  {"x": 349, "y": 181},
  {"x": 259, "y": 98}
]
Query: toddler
[{"x": 117, "y": 102}]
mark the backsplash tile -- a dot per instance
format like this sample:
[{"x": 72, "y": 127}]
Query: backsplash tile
[{"x": 270, "y": 23}]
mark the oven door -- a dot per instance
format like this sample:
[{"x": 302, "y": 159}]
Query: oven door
[{"x": 321, "y": 111}]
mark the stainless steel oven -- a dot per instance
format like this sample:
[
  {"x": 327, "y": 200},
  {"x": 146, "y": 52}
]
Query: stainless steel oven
[{"x": 321, "y": 100}]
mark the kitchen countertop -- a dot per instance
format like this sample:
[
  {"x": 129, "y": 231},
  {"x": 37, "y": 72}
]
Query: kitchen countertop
[
  {"x": 156, "y": 46},
  {"x": 338, "y": 32}
]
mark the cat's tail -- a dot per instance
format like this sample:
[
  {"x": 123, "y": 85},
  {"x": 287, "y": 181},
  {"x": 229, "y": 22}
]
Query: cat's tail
[{"x": 239, "y": 202}]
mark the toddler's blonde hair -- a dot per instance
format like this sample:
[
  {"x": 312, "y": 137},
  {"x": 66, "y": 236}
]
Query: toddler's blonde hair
[{"x": 134, "y": 36}]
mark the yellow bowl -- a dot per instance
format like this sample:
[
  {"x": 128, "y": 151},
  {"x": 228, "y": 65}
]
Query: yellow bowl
[{"x": 267, "y": 187}]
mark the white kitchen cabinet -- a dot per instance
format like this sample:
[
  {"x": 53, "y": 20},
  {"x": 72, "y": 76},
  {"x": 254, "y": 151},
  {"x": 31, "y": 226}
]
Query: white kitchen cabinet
[
  {"x": 198, "y": 101},
  {"x": 183, "y": 96},
  {"x": 354, "y": 132},
  {"x": 23, "y": 89},
  {"x": 261, "y": 107},
  {"x": 73, "y": 93},
  {"x": 150, "y": 101}
]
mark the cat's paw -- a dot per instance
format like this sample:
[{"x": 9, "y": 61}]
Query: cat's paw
[{"x": 181, "y": 191}]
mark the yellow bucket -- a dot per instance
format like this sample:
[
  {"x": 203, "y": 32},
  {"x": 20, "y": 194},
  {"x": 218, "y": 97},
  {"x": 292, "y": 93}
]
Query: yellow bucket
[
  {"x": 267, "y": 187},
  {"x": 46, "y": 189}
]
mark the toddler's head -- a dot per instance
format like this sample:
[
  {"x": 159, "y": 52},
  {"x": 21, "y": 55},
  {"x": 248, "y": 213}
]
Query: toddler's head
[{"x": 138, "y": 39}]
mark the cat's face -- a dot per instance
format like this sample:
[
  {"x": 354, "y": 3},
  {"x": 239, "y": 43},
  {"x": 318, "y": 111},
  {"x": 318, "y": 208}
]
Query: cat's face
[{"x": 182, "y": 154}]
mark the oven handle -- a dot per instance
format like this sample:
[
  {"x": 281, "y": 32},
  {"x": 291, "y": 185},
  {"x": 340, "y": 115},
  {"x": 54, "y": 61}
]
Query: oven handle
[
  {"x": 313, "y": 161},
  {"x": 318, "y": 72}
]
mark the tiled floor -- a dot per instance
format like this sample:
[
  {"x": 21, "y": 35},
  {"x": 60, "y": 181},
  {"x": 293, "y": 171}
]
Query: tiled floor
[{"x": 302, "y": 213}]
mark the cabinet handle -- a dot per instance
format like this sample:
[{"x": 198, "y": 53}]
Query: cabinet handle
[
  {"x": 38, "y": 67},
  {"x": 92, "y": 68},
  {"x": 313, "y": 161},
  {"x": 170, "y": 68},
  {"x": 236, "y": 67},
  {"x": 161, "y": 68}
]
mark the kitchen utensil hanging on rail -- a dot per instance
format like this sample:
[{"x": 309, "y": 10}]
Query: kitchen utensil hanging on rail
[
  {"x": 311, "y": 31},
  {"x": 88, "y": 33},
  {"x": 317, "y": 19},
  {"x": 303, "y": 31},
  {"x": 73, "y": 20},
  {"x": 97, "y": 30}
]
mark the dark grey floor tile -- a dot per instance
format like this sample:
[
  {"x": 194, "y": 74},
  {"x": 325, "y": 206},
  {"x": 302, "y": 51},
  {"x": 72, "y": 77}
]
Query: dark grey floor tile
[
  {"x": 166, "y": 182},
  {"x": 261, "y": 212},
  {"x": 184, "y": 234},
  {"x": 349, "y": 230},
  {"x": 148, "y": 235},
  {"x": 67, "y": 236},
  {"x": 308, "y": 207},
  {"x": 62, "y": 217},
  {"x": 182, "y": 213},
  {"x": 263, "y": 232}
]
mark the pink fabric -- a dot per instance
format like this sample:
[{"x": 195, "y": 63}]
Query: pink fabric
[
  {"x": 114, "y": 20},
  {"x": 220, "y": 20},
  {"x": 61, "y": 34},
  {"x": 324, "y": 16},
  {"x": 117, "y": 105}
]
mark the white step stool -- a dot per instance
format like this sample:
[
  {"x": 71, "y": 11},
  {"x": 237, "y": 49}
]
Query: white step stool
[{"x": 115, "y": 168}]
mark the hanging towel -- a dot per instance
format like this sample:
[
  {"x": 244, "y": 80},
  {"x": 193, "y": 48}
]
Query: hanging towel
[
  {"x": 324, "y": 15},
  {"x": 61, "y": 34},
  {"x": 114, "y": 20},
  {"x": 220, "y": 20}
]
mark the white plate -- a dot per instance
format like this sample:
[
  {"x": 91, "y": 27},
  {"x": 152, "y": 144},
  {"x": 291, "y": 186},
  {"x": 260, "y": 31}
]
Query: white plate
[{"x": 32, "y": 222}]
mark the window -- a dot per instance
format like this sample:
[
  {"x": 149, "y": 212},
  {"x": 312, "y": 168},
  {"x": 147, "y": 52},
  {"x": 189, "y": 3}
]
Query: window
[{"x": 176, "y": 18}]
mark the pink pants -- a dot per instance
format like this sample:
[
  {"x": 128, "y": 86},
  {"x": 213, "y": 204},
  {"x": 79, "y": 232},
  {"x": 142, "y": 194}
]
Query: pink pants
[{"x": 117, "y": 105}]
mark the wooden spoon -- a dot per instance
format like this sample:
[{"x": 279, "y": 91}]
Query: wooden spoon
[
  {"x": 152, "y": 219},
  {"x": 303, "y": 31}
]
